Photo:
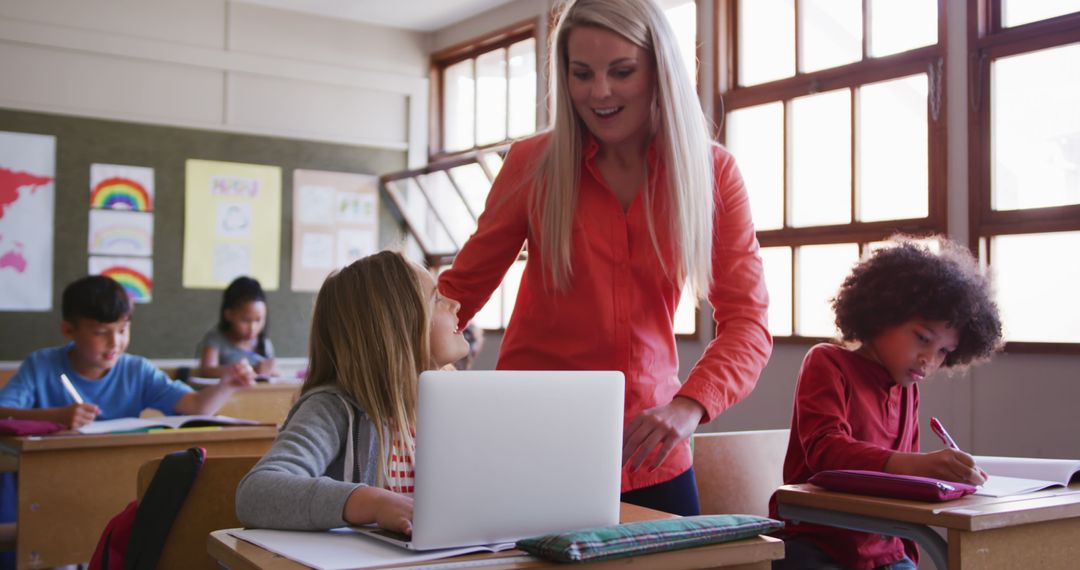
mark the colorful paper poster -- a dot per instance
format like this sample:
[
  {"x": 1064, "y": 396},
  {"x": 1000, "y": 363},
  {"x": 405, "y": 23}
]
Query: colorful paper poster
[
  {"x": 335, "y": 221},
  {"x": 134, "y": 274},
  {"x": 27, "y": 198},
  {"x": 117, "y": 187},
  {"x": 114, "y": 232},
  {"x": 232, "y": 224}
]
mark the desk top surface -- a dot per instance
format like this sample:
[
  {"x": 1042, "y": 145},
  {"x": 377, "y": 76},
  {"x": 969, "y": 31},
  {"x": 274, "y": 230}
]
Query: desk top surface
[
  {"x": 970, "y": 513},
  {"x": 240, "y": 555},
  {"x": 69, "y": 440}
]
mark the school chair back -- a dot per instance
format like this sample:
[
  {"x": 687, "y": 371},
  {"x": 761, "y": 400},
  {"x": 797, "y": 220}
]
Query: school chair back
[
  {"x": 209, "y": 506},
  {"x": 6, "y": 374},
  {"x": 738, "y": 471}
]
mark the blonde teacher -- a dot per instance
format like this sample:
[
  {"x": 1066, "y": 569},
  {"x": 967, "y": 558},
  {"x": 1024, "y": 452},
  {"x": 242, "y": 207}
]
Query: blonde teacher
[{"x": 622, "y": 203}]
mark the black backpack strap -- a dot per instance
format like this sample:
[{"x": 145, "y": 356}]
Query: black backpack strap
[{"x": 159, "y": 506}]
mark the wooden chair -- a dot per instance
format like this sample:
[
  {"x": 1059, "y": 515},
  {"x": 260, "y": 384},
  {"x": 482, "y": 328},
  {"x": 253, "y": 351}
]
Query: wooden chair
[
  {"x": 738, "y": 471},
  {"x": 209, "y": 506}
]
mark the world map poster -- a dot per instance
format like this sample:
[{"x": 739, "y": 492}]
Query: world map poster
[{"x": 27, "y": 197}]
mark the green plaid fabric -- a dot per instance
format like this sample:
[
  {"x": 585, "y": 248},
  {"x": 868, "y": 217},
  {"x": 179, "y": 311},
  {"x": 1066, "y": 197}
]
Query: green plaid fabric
[{"x": 645, "y": 537}]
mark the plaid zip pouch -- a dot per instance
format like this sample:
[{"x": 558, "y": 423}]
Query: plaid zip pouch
[{"x": 623, "y": 540}]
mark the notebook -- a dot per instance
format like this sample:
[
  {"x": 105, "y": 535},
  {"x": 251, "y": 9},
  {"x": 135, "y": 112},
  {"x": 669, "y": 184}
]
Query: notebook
[
  {"x": 504, "y": 455},
  {"x": 1018, "y": 475},
  {"x": 165, "y": 422}
]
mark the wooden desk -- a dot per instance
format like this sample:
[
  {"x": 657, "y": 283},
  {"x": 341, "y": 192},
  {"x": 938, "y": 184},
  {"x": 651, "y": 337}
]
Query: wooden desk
[
  {"x": 750, "y": 554},
  {"x": 263, "y": 402},
  {"x": 71, "y": 485},
  {"x": 1037, "y": 530}
]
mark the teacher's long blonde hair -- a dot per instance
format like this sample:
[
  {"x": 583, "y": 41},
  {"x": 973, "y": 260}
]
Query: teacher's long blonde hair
[{"x": 682, "y": 137}]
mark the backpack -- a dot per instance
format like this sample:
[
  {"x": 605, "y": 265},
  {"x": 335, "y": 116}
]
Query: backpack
[{"x": 134, "y": 539}]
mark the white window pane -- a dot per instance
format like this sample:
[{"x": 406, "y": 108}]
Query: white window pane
[
  {"x": 831, "y": 33},
  {"x": 755, "y": 135},
  {"x": 819, "y": 272},
  {"x": 1036, "y": 290},
  {"x": 510, "y": 286},
  {"x": 1017, "y": 12},
  {"x": 766, "y": 40},
  {"x": 522, "y": 88},
  {"x": 493, "y": 162},
  {"x": 489, "y": 317},
  {"x": 777, "y": 262},
  {"x": 447, "y": 202},
  {"x": 901, "y": 25},
  {"x": 474, "y": 184},
  {"x": 821, "y": 159},
  {"x": 458, "y": 106},
  {"x": 682, "y": 15},
  {"x": 892, "y": 164},
  {"x": 685, "y": 318},
  {"x": 491, "y": 97},
  {"x": 1035, "y": 124}
]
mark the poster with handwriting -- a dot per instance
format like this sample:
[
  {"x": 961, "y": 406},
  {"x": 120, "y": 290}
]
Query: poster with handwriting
[
  {"x": 232, "y": 223},
  {"x": 335, "y": 221}
]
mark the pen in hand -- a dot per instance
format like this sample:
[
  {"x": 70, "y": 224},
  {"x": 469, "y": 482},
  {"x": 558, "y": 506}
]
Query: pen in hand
[{"x": 70, "y": 389}]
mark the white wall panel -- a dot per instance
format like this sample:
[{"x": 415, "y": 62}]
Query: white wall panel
[
  {"x": 129, "y": 89},
  {"x": 192, "y": 22},
  {"x": 341, "y": 113},
  {"x": 295, "y": 36}
]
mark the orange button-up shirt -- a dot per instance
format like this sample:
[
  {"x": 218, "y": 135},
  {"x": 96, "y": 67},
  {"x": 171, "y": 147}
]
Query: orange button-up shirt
[{"x": 618, "y": 310}]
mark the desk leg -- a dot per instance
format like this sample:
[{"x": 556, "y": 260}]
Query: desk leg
[{"x": 923, "y": 535}]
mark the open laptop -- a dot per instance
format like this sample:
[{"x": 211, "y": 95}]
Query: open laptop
[{"x": 504, "y": 455}]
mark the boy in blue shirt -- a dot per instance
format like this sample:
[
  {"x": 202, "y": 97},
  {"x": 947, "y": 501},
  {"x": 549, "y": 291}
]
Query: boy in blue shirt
[
  {"x": 97, "y": 321},
  {"x": 96, "y": 315}
]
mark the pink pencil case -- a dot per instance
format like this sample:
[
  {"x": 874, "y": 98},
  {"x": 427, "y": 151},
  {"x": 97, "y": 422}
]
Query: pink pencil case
[{"x": 891, "y": 485}]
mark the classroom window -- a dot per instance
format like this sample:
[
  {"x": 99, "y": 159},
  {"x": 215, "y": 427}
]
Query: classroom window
[
  {"x": 1025, "y": 151},
  {"x": 834, "y": 112},
  {"x": 484, "y": 91}
]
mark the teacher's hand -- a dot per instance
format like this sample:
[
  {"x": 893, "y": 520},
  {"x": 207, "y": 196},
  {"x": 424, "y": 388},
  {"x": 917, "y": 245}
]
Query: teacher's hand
[{"x": 661, "y": 427}]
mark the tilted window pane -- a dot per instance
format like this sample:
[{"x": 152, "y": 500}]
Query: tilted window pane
[
  {"x": 491, "y": 97},
  {"x": 819, "y": 272},
  {"x": 821, "y": 159},
  {"x": 755, "y": 135},
  {"x": 777, "y": 262},
  {"x": 831, "y": 33},
  {"x": 685, "y": 318},
  {"x": 493, "y": 162},
  {"x": 510, "y": 286},
  {"x": 522, "y": 88},
  {"x": 766, "y": 39},
  {"x": 893, "y": 166},
  {"x": 1035, "y": 129},
  {"x": 1017, "y": 12},
  {"x": 427, "y": 229},
  {"x": 1036, "y": 288},
  {"x": 901, "y": 25},
  {"x": 450, "y": 206},
  {"x": 459, "y": 94},
  {"x": 474, "y": 184}
]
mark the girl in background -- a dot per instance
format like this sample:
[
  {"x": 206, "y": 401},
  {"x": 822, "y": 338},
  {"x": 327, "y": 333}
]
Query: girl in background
[
  {"x": 240, "y": 333},
  {"x": 344, "y": 455}
]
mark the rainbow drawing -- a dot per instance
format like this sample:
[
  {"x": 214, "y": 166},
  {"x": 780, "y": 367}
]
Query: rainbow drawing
[
  {"x": 137, "y": 285},
  {"x": 121, "y": 240},
  {"x": 135, "y": 275},
  {"x": 119, "y": 193}
]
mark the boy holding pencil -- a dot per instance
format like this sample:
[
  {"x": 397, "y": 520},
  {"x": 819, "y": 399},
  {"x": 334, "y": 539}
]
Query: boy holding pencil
[{"x": 91, "y": 377}]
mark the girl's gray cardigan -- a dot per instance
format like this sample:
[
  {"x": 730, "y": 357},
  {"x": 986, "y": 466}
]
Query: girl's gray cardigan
[{"x": 302, "y": 483}]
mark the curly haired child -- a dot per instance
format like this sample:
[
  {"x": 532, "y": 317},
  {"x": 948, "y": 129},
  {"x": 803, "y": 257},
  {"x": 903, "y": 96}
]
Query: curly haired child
[{"x": 904, "y": 312}]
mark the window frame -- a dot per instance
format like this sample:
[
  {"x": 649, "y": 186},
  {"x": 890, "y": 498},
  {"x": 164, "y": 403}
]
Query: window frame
[
  {"x": 729, "y": 96},
  {"x": 471, "y": 50},
  {"x": 987, "y": 40}
]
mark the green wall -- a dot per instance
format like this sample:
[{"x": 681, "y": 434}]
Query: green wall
[{"x": 170, "y": 325}]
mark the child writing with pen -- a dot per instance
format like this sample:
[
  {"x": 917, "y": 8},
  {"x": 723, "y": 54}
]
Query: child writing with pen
[
  {"x": 92, "y": 367},
  {"x": 903, "y": 312},
  {"x": 344, "y": 454},
  {"x": 240, "y": 333}
]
